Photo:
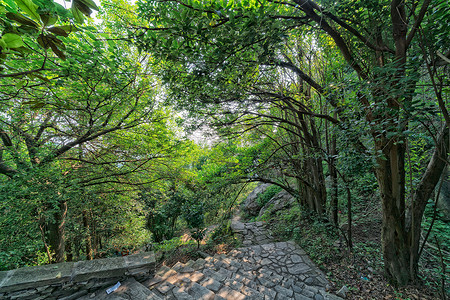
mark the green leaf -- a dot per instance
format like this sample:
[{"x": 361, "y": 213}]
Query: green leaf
[
  {"x": 11, "y": 5},
  {"x": 29, "y": 7},
  {"x": 21, "y": 83},
  {"x": 67, "y": 28},
  {"x": 77, "y": 15},
  {"x": 21, "y": 19},
  {"x": 12, "y": 40},
  {"x": 58, "y": 31},
  {"x": 82, "y": 8},
  {"x": 90, "y": 4},
  {"x": 3, "y": 44},
  {"x": 48, "y": 19}
]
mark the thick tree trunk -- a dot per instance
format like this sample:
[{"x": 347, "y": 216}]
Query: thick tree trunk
[
  {"x": 395, "y": 243},
  {"x": 401, "y": 228},
  {"x": 56, "y": 232}
]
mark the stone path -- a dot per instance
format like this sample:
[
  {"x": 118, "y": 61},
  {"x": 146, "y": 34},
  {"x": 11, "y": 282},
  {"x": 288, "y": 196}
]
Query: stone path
[
  {"x": 254, "y": 233},
  {"x": 263, "y": 269}
]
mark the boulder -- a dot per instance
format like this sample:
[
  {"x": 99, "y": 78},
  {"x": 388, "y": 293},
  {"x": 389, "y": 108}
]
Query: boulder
[
  {"x": 282, "y": 200},
  {"x": 251, "y": 205}
]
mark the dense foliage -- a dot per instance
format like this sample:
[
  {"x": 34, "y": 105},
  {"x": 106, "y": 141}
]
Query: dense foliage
[{"x": 158, "y": 117}]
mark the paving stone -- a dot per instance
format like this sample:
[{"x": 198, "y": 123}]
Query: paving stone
[
  {"x": 296, "y": 288},
  {"x": 162, "y": 270},
  {"x": 199, "y": 292},
  {"x": 307, "y": 293},
  {"x": 196, "y": 276},
  {"x": 164, "y": 287},
  {"x": 299, "y": 268},
  {"x": 296, "y": 258},
  {"x": 230, "y": 294},
  {"x": 180, "y": 295},
  {"x": 287, "y": 283},
  {"x": 214, "y": 275},
  {"x": 283, "y": 293},
  {"x": 251, "y": 293},
  {"x": 312, "y": 289},
  {"x": 318, "y": 297},
  {"x": 178, "y": 266},
  {"x": 300, "y": 297},
  {"x": 152, "y": 282},
  {"x": 211, "y": 284},
  {"x": 234, "y": 284},
  {"x": 267, "y": 291},
  {"x": 225, "y": 272},
  {"x": 266, "y": 282},
  {"x": 309, "y": 281}
]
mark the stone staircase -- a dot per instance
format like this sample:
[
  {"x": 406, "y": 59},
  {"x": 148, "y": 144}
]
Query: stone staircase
[{"x": 262, "y": 270}]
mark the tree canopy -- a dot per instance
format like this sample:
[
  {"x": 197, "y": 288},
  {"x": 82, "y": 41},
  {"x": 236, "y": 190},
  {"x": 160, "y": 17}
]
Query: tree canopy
[{"x": 315, "y": 97}]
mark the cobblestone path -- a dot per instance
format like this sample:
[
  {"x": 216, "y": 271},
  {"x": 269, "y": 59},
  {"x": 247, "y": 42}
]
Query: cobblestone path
[{"x": 261, "y": 270}]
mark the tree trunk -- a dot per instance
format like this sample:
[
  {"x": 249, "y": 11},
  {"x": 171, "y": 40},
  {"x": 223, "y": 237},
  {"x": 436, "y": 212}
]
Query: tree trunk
[
  {"x": 56, "y": 232},
  {"x": 401, "y": 228},
  {"x": 69, "y": 254},
  {"x": 430, "y": 179},
  {"x": 88, "y": 242},
  {"x": 334, "y": 182},
  {"x": 395, "y": 243}
]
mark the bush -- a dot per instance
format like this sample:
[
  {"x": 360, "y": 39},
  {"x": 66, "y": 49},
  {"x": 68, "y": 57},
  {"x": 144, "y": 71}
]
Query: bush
[{"x": 268, "y": 194}]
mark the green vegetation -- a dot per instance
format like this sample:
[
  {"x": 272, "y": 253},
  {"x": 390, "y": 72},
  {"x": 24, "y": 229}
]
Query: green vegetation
[
  {"x": 268, "y": 194},
  {"x": 157, "y": 118}
]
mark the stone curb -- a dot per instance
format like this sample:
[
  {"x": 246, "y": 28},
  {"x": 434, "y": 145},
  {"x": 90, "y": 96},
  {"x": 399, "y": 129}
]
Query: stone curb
[{"x": 71, "y": 273}]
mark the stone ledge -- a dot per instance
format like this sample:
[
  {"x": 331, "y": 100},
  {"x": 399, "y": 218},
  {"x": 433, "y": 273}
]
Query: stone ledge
[{"x": 61, "y": 274}]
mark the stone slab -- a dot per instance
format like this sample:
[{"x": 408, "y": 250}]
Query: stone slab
[
  {"x": 99, "y": 268},
  {"x": 28, "y": 277},
  {"x": 139, "y": 260}
]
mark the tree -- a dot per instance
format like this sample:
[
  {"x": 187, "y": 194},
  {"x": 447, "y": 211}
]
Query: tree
[
  {"x": 199, "y": 50},
  {"x": 65, "y": 121},
  {"x": 31, "y": 29}
]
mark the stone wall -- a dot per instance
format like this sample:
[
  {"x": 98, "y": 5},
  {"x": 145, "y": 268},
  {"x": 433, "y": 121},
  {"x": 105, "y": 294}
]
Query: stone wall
[{"x": 72, "y": 280}]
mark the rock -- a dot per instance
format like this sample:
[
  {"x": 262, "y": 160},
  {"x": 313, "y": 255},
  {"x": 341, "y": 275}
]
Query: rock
[
  {"x": 282, "y": 200},
  {"x": 343, "y": 291},
  {"x": 237, "y": 226},
  {"x": 251, "y": 205}
]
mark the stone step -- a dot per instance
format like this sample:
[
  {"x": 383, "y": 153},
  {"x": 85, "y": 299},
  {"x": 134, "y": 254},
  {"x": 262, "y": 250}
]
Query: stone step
[
  {"x": 245, "y": 273},
  {"x": 129, "y": 289},
  {"x": 213, "y": 282},
  {"x": 267, "y": 271}
]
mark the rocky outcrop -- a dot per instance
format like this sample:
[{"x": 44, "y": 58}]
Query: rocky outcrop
[
  {"x": 251, "y": 206},
  {"x": 281, "y": 201}
]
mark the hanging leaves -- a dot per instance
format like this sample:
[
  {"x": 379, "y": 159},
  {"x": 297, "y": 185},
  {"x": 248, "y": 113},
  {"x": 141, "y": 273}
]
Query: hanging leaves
[
  {"x": 58, "y": 31},
  {"x": 28, "y": 21},
  {"x": 21, "y": 19},
  {"x": 29, "y": 8},
  {"x": 48, "y": 19}
]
